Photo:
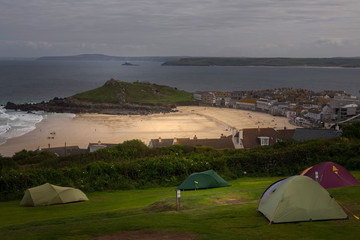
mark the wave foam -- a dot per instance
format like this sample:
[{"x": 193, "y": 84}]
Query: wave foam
[{"x": 17, "y": 123}]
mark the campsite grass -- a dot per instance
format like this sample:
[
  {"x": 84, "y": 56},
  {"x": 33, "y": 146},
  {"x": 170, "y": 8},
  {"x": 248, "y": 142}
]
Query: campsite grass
[{"x": 220, "y": 213}]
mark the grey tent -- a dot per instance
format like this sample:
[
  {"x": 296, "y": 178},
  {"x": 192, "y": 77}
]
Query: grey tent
[
  {"x": 48, "y": 194},
  {"x": 202, "y": 180},
  {"x": 296, "y": 199}
]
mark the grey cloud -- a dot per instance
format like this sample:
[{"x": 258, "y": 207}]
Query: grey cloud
[{"x": 173, "y": 27}]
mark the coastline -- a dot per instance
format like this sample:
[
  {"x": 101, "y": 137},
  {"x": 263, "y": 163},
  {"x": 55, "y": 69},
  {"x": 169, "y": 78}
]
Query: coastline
[
  {"x": 268, "y": 66},
  {"x": 322, "y": 67},
  {"x": 82, "y": 129}
]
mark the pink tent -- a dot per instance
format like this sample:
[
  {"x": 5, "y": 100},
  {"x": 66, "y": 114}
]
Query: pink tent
[{"x": 330, "y": 175}]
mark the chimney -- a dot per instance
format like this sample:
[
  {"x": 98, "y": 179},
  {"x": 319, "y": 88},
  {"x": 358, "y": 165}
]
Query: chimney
[
  {"x": 241, "y": 134},
  {"x": 160, "y": 139},
  {"x": 285, "y": 128},
  {"x": 237, "y": 139}
]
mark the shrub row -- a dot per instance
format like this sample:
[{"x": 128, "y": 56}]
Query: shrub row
[{"x": 132, "y": 165}]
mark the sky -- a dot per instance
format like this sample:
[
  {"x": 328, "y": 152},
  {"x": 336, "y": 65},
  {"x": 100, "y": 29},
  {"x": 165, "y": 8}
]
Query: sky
[{"x": 217, "y": 28}]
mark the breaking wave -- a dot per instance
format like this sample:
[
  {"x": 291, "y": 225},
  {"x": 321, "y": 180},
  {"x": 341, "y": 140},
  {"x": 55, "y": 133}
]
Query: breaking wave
[{"x": 17, "y": 123}]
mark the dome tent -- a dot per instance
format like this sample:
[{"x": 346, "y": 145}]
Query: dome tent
[
  {"x": 48, "y": 194},
  {"x": 203, "y": 180},
  {"x": 331, "y": 175},
  {"x": 297, "y": 199}
]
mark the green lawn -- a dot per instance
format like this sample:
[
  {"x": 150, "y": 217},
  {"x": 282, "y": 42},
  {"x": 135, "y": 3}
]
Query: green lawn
[{"x": 222, "y": 213}]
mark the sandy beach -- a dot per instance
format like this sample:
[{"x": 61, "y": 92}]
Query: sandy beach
[{"x": 56, "y": 130}]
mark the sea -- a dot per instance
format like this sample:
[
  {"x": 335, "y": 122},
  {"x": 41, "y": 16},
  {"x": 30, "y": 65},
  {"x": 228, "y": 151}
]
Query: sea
[{"x": 36, "y": 81}]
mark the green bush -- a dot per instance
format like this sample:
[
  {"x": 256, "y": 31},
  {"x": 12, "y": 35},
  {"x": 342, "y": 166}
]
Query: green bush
[
  {"x": 351, "y": 130},
  {"x": 133, "y": 165},
  {"x": 8, "y": 163},
  {"x": 32, "y": 157}
]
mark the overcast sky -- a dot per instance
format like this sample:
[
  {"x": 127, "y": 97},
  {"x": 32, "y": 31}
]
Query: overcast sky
[{"x": 230, "y": 28}]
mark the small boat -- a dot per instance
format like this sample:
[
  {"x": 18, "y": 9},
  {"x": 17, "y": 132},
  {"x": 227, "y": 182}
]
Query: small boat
[{"x": 128, "y": 64}]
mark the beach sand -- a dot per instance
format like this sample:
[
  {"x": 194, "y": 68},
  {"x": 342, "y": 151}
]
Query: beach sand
[{"x": 80, "y": 130}]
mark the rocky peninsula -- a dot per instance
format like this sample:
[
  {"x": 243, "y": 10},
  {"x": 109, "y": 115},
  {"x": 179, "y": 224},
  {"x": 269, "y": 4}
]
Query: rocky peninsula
[
  {"x": 114, "y": 97},
  {"x": 72, "y": 105}
]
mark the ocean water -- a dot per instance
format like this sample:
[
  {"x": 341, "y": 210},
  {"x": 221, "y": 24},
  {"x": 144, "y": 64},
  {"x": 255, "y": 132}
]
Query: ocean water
[
  {"x": 35, "y": 81},
  {"x": 17, "y": 123}
]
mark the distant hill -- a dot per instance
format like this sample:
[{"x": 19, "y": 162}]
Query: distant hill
[
  {"x": 114, "y": 91},
  {"x": 276, "y": 62},
  {"x": 102, "y": 57}
]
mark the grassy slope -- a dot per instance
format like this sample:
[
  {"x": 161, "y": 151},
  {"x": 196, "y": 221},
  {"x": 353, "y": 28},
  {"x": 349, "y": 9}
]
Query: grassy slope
[
  {"x": 135, "y": 93},
  {"x": 203, "y": 212}
]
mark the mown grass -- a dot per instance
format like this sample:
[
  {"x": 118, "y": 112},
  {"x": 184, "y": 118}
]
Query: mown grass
[{"x": 222, "y": 213}]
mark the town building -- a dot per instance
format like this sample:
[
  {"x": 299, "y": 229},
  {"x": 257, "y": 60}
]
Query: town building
[
  {"x": 224, "y": 142},
  {"x": 305, "y": 134},
  {"x": 344, "y": 107},
  {"x": 63, "y": 151},
  {"x": 92, "y": 147},
  {"x": 208, "y": 98},
  {"x": 257, "y": 137},
  {"x": 264, "y": 104},
  {"x": 166, "y": 142},
  {"x": 246, "y": 104}
]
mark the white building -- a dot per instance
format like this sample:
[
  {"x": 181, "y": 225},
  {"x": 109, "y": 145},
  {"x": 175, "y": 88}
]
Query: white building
[{"x": 264, "y": 104}]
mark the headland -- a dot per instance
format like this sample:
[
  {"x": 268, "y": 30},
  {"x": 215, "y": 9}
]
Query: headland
[{"x": 115, "y": 97}]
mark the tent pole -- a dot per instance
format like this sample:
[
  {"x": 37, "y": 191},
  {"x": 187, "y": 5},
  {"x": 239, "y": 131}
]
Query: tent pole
[
  {"x": 272, "y": 218},
  {"x": 347, "y": 209}
]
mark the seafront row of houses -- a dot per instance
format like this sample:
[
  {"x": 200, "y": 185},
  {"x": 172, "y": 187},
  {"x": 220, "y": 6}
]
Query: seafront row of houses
[
  {"x": 318, "y": 113},
  {"x": 239, "y": 139},
  {"x": 304, "y": 108}
]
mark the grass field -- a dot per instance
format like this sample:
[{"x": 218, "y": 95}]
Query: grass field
[{"x": 222, "y": 213}]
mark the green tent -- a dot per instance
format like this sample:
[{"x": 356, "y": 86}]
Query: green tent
[
  {"x": 201, "y": 180},
  {"x": 299, "y": 198},
  {"x": 48, "y": 194}
]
